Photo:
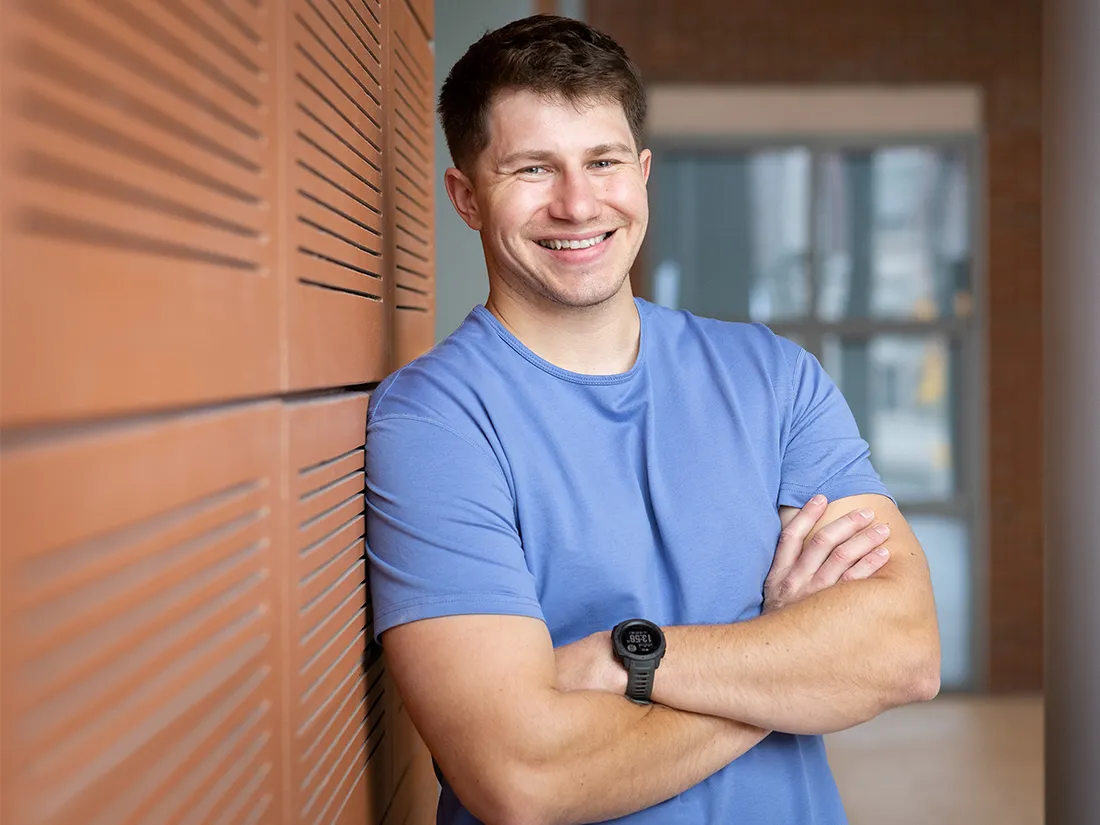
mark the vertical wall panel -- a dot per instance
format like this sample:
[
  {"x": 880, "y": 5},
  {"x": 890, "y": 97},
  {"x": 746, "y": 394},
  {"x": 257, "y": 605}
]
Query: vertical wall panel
[
  {"x": 424, "y": 10},
  {"x": 203, "y": 228},
  {"x": 410, "y": 186},
  {"x": 340, "y": 774},
  {"x": 139, "y": 624},
  {"x": 138, "y": 153},
  {"x": 338, "y": 325}
]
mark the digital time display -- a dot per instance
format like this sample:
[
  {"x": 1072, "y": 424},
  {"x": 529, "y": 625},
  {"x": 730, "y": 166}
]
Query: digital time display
[{"x": 639, "y": 641}]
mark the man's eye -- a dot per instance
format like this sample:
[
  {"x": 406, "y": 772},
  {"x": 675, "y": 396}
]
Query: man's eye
[
  {"x": 604, "y": 164},
  {"x": 532, "y": 170}
]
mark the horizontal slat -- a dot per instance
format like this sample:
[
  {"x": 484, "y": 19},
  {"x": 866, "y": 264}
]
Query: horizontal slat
[
  {"x": 332, "y": 611},
  {"x": 325, "y": 201},
  {"x": 414, "y": 239},
  {"x": 154, "y": 143},
  {"x": 71, "y": 64},
  {"x": 139, "y": 628},
  {"x": 54, "y": 575},
  {"x": 138, "y": 51},
  {"x": 67, "y": 213},
  {"x": 335, "y": 248},
  {"x": 414, "y": 55},
  {"x": 195, "y": 761},
  {"x": 347, "y": 38},
  {"x": 322, "y": 148},
  {"x": 338, "y": 278},
  {"x": 413, "y": 259},
  {"x": 348, "y": 750},
  {"x": 321, "y": 563},
  {"x": 306, "y": 480},
  {"x": 66, "y": 134},
  {"x": 320, "y": 673},
  {"x": 314, "y": 93},
  {"x": 316, "y": 47},
  {"x": 122, "y": 627},
  {"x": 191, "y": 30}
]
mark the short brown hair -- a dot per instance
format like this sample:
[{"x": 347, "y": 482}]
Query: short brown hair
[{"x": 549, "y": 55}]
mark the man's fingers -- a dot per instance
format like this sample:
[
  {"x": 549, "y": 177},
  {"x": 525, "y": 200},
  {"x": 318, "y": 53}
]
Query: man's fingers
[
  {"x": 795, "y": 532},
  {"x": 867, "y": 566},
  {"x": 847, "y": 555},
  {"x": 827, "y": 539}
]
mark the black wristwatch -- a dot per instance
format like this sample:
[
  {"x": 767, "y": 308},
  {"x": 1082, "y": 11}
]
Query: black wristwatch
[{"x": 639, "y": 645}]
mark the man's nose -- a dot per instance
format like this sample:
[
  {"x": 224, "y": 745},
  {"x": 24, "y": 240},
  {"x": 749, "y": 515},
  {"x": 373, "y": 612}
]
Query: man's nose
[{"x": 575, "y": 198}]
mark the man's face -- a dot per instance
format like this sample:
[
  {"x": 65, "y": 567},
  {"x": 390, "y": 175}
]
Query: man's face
[{"x": 561, "y": 199}]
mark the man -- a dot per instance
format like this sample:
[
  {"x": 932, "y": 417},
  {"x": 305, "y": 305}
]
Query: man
[{"x": 572, "y": 457}]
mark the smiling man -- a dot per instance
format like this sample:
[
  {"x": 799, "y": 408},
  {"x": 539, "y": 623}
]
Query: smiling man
[{"x": 626, "y": 562}]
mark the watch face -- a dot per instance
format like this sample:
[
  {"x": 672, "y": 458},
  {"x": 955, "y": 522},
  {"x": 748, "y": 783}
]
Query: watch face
[{"x": 639, "y": 640}]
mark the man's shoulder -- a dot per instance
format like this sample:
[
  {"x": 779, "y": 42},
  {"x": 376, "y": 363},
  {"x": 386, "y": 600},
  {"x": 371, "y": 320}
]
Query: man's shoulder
[
  {"x": 739, "y": 346},
  {"x": 439, "y": 385}
]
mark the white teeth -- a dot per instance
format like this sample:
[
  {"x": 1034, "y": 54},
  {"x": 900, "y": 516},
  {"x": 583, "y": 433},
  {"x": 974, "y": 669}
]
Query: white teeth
[{"x": 574, "y": 244}]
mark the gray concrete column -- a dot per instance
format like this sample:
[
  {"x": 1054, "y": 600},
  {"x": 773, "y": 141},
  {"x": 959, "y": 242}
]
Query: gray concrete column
[{"x": 1071, "y": 368}]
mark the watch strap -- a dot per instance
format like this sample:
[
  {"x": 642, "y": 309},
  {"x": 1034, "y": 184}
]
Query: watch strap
[{"x": 639, "y": 680}]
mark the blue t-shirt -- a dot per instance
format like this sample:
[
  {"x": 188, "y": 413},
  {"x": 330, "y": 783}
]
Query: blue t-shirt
[{"x": 500, "y": 483}]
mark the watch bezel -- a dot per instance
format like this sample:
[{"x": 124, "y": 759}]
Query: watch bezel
[{"x": 620, "y": 648}]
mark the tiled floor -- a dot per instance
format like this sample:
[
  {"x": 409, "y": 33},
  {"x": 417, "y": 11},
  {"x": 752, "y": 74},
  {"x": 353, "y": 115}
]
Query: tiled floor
[{"x": 958, "y": 760}]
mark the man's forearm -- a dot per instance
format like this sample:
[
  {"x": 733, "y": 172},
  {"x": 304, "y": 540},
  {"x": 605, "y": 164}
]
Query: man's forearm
[
  {"x": 831, "y": 661},
  {"x": 595, "y": 756}
]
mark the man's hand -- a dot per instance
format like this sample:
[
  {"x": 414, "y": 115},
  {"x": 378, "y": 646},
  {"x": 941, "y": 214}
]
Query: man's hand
[{"x": 848, "y": 549}]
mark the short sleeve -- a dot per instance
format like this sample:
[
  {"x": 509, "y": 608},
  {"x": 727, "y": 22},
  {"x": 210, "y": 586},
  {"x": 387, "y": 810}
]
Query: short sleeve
[
  {"x": 441, "y": 528},
  {"x": 822, "y": 448}
]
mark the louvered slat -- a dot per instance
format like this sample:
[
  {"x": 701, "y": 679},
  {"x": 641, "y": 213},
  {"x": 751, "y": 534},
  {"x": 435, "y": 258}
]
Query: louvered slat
[
  {"x": 337, "y": 261},
  {"x": 137, "y": 206},
  {"x": 142, "y": 674},
  {"x": 410, "y": 185},
  {"x": 339, "y": 685}
]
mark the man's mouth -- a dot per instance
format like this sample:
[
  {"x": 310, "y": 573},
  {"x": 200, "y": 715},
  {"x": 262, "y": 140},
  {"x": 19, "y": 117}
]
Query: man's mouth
[{"x": 567, "y": 244}]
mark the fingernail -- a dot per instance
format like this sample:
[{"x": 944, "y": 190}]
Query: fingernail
[
  {"x": 867, "y": 513},
  {"x": 882, "y": 551},
  {"x": 882, "y": 529},
  {"x": 819, "y": 499}
]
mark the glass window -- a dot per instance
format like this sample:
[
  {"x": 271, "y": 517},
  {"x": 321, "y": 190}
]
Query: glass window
[
  {"x": 898, "y": 388},
  {"x": 732, "y": 234},
  {"x": 894, "y": 234}
]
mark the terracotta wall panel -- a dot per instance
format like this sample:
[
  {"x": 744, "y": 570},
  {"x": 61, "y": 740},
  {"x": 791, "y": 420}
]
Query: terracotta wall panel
[
  {"x": 138, "y": 148},
  {"x": 411, "y": 187},
  {"x": 336, "y": 78},
  {"x": 140, "y": 623},
  {"x": 200, "y": 232}
]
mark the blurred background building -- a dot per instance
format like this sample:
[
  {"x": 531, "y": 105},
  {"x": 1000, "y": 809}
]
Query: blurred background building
[{"x": 220, "y": 230}]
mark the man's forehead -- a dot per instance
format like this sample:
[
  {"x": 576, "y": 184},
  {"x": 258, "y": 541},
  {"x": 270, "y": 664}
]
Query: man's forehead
[{"x": 517, "y": 122}]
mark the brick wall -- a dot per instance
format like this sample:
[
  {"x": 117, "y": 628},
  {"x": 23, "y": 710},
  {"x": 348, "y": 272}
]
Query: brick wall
[{"x": 993, "y": 43}]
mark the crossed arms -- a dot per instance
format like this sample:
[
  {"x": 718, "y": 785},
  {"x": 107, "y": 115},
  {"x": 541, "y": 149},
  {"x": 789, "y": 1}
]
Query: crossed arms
[{"x": 533, "y": 735}]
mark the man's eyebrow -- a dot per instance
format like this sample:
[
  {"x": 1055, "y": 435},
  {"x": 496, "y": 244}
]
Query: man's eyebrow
[
  {"x": 524, "y": 155},
  {"x": 610, "y": 149},
  {"x": 541, "y": 155}
]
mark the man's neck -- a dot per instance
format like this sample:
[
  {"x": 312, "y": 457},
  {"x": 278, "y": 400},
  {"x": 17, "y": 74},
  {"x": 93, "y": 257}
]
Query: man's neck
[{"x": 600, "y": 340}]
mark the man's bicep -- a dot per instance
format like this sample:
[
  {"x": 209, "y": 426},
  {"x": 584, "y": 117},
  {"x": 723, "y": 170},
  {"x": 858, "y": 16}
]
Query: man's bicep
[
  {"x": 907, "y": 562},
  {"x": 471, "y": 684}
]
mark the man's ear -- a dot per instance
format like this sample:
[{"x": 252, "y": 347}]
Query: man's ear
[
  {"x": 461, "y": 192},
  {"x": 645, "y": 158}
]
